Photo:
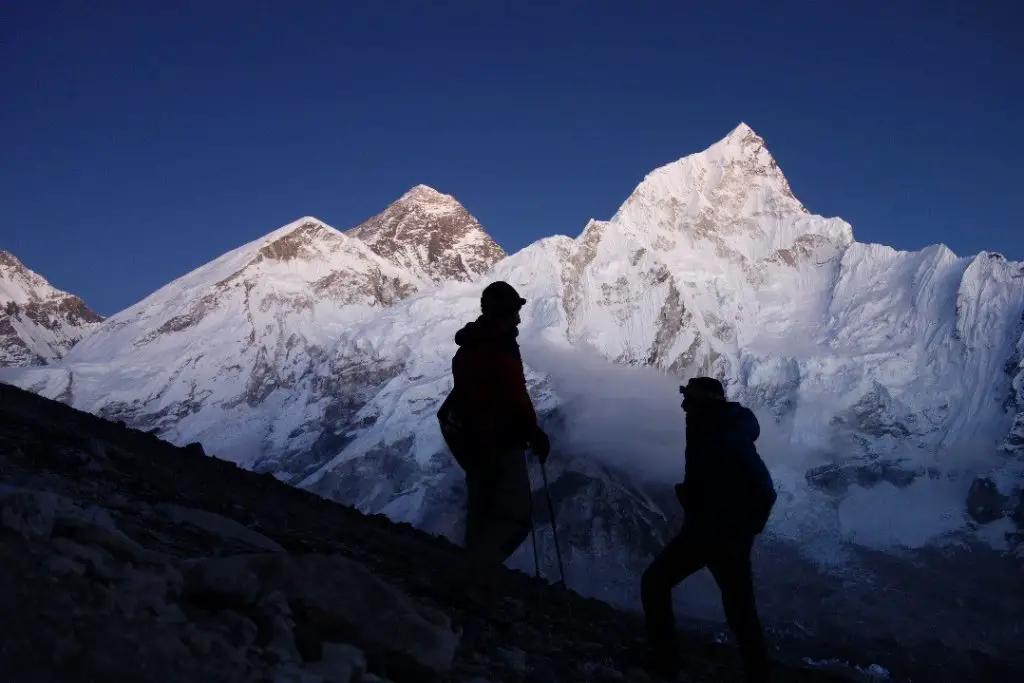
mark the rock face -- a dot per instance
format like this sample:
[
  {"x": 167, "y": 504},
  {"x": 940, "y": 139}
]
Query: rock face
[
  {"x": 338, "y": 598},
  {"x": 118, "y": 577},
  {"x": 38, "y": 323},
  {"x": 431, "y": 236}
]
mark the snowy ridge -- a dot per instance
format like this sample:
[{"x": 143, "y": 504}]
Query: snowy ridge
[
  {"x": 229, "y": 334},
  {"x": 38, "y": 323},
  {"x": 283, "y": 269},
  {"x": 306, "y": 251},
  {"x": 731, "y": 199},
  {"x": 879, "y": 376}
]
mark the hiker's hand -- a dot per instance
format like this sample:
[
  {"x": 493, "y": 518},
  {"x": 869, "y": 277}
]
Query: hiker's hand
[
  {"x": 681, "y": 495},
  {"x": 540, "y": 444}
]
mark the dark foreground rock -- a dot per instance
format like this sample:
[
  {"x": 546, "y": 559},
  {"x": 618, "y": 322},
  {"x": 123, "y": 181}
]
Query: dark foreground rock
[{"x": 125, "y": 558}]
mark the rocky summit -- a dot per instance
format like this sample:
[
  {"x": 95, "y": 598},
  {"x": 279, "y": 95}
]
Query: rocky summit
[
  {"x": 432, "y": 237},
  {"x": 38, "y": 322},
  {"x": 126, "y": 558}
]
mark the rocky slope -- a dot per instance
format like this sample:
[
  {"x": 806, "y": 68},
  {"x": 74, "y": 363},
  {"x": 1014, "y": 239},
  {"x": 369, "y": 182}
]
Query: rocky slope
[
  {"x": 431, "y": 236},
  {"x": 38, "y": 323},
  {"x": 126, "y": 558}
]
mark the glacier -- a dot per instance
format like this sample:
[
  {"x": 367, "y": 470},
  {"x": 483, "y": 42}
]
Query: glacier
[{"x": 889, "y": 384}]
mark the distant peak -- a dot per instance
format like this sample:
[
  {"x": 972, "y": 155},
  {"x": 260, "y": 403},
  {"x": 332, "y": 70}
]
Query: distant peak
[
  {"x": 742, "y": 131},
  {"x": 426, "y": 193},
  {"x": 304, "y": 224},
  {"x": 743, "y": 141},
  {"x": 9, "y": 259},
  {"x": 297, "y": 240},
  {"x": 430, "y": 235},
  {"x": 730, "y": 172},
  {"x": 742, "y": 144},
  {"x": 285, "y": 242}
]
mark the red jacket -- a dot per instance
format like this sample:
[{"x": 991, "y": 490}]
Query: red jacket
[{"x": 491, "y": 385}]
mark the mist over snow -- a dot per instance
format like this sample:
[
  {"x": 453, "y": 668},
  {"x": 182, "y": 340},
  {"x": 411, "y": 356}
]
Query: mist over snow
[{"x": 628, "y": 417}]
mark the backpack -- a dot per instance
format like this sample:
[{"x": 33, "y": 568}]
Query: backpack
[
  {"x": 761, "y": 509},
  {"x": 760, "y": 495},
  {"x": 453, "y": 429}
]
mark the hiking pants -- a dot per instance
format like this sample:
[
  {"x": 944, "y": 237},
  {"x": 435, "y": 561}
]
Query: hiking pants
[
  {"x": 729, "y": 562},
  {"x": 498, "y": 505}
]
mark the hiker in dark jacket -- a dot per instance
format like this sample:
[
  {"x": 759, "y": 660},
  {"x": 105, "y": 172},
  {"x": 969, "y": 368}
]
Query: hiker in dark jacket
[
  {"x": 500, "y": 424},
  {"x": 726, "y": 495}
]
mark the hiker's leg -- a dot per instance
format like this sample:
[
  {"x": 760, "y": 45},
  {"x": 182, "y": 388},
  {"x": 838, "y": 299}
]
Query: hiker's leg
[
  {"x": 498, "y": 507},
  {"x": 511, "y": 502},
  {"x": 731, "y": 567},
  {"x": 477, "y": 510},
  {"x": 683, "y": 556}
]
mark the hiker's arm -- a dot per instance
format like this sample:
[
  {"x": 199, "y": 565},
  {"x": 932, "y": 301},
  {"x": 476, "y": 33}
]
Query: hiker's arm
[{"x": 513, "y": 381}]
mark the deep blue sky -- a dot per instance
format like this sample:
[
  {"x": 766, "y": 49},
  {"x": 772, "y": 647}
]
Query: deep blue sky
[{"x": 142, "y": 138}]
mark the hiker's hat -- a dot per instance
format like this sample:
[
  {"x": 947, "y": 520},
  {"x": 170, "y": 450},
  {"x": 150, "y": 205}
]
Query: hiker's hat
[
  {"x": 703, "y": 387},
  {"x": 501, "y": 298}
]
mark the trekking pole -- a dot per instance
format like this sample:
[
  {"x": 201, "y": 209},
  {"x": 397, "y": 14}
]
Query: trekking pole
[
  {"x": 554, "y": 527},
  {"x": 558, "y": 551},
  {"x": 533, "y": 522}
]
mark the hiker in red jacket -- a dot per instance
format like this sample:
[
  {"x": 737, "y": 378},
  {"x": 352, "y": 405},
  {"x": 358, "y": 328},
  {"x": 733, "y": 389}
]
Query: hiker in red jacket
[{"x": 500, "y": 424}]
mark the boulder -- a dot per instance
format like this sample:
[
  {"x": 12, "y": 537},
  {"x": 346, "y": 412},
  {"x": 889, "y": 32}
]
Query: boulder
[
  {"x": 38, "y": 515},
  {"x": 277, "y": 625},
  {"x": 61, "y": 566},
  {"x": 514, "y": 657},
  {"x": 109, "y": 539},
  {"x": 32, "y": 514},
  {"x": 149, "y": 592},
  {"x": 227, "y": 584},
  {"x": 340, "y": 664},
  {"x": 238, "y": 629},
  {"x": 307, "y": 640},
  {"x": 218, "y": 525},
  {"x": 345, "y": 602},
  {"x": 293, "y": 673},
  {"x": 99, "y": 562},
  {"x": 984, "y": 501}
]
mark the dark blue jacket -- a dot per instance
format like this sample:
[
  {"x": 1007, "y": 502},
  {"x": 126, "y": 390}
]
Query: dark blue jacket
[{"x": 727, "y": 488}]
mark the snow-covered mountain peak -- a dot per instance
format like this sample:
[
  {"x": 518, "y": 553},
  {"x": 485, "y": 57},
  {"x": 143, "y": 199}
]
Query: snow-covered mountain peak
[
  {"x": 735, "y": 168},
  {"x": 743, "y": 141},
  {"x": 731, "y": 199},
  {"x": 19, "y": 284},
  {"x": 742, "y": 131},
  {"x": 432, "y": 236},
  {"x": 270, "y": 290},
  {"x": 425, "y": 194},
  {"x": 38, "y": 322},
  {"x": 301, "y": 240}
]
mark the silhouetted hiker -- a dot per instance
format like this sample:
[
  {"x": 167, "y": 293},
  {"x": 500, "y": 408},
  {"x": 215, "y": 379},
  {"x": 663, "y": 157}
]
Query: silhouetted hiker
[
  {"x": 494, "y": 422},
  {"x": 727, "y": 495}
]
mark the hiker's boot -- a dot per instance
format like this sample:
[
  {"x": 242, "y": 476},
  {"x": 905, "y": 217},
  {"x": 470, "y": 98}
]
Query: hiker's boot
[
  {"x": 758, "y": 669},
  {"x": 667, "y": 664},
  {"x": 663, "y": 659}
]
